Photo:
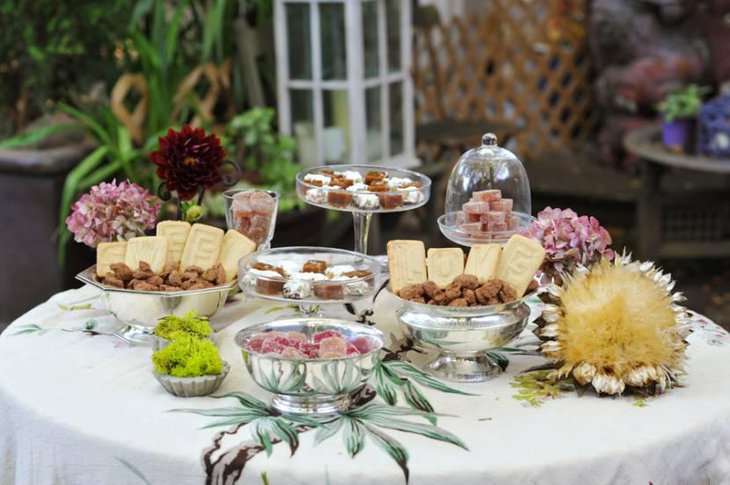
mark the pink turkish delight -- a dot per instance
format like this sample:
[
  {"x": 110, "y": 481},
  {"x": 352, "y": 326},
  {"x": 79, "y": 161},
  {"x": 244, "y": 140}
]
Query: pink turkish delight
[
  {"x": 487, "y": 195},
  {"x": 362, "y": 344},
  {"x": 317, "y": 337},
  {"x": 476, "y": 207},
  {"x": 327, "y": 344},
  {"x": 498, "y": 227},
  {"x": 333, "y": 345},
  {"x": 253, "y": 212},
  {"x": 472, "y": 227},
  {"x": 291, "y": 353},
  {"x": 513, "y": 223},
  {"x": 504, "y": 205},
  {"x": 493, "y": 217}
]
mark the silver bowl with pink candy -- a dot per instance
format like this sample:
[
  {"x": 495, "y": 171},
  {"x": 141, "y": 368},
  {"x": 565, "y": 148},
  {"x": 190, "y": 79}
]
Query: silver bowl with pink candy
[
  {"x": 486, "y": 218},
  {"x": 310, "y": 364}
]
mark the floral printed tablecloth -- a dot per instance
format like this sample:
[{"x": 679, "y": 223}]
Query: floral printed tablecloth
[{"x": 78, "y": 406}]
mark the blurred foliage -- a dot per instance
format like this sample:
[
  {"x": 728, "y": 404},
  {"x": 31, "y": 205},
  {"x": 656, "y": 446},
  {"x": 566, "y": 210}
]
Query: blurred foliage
[
  {"x": 266, "y": 157},
  {"x": 52, "y": 49}
]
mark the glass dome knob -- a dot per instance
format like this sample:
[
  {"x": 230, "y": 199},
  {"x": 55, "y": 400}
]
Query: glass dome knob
[{"x": 489, "y": 139}]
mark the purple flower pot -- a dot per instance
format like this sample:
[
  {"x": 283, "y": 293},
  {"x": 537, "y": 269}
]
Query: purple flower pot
[{"x": 679, "y": 134}]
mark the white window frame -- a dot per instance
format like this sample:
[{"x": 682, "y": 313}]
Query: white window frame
[{"x": 355, "y": 84}]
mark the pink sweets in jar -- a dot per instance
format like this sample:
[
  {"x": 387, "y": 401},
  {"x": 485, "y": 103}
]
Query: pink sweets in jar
[
  {"x": 252, "y": 213},
  {"x": 487, "y": 214}
]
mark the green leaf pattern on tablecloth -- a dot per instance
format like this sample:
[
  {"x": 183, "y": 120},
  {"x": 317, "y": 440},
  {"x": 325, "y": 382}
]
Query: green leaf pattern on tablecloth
[{"x": 364, "y": 421}]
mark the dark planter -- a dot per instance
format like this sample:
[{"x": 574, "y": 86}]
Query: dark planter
[
  {"x": 678, "y": 135},
  {"x": 30, "y": 183}
]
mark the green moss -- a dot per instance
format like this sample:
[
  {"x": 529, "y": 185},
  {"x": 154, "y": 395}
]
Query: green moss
[
  {"x": 187, "y": 356},
  {"x": 172, "y": 326}
]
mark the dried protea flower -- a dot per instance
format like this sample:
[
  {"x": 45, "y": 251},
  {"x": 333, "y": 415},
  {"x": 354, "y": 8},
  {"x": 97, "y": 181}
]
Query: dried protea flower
[
  {"x": 615, "y": 326},
  {"x": 189, "y": 161},
  {"x": 112, "y": 212},
  {"x": 569, "y": 240}
]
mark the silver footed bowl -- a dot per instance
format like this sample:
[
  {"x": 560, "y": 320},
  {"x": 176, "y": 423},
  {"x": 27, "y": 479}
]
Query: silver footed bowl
[
  {"x": 140, "y": 310},
  {"x": 463, "y": 336},
  {"x": 311, "y": 386}
]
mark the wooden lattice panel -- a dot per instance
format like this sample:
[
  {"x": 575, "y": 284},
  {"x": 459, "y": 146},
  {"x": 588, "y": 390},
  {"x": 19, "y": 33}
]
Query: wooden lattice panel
[{"x": 520, "y": 61}]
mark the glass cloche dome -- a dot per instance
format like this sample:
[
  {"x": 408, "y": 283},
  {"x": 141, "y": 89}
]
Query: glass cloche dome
[{"x": 488, "y": 196}]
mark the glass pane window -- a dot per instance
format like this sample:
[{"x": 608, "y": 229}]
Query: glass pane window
[
  {"x": 299, "y": 41},
  {"x": 333, "y": 41},
  {"x": 393, "y": 23},
  {"x": 396, "y": 118},
  {"x": 336, "y": 133},
  {"x": 370, "y": 38},
  {"x": 302, "y": 119},
  {"x": 373, "y": 130}
]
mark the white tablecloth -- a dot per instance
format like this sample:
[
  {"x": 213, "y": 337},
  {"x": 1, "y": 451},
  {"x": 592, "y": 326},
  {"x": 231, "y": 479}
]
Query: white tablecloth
[{"x": 80, "y": 409}]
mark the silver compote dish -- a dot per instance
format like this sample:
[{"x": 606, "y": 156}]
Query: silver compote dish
[
  {"x": 277, "y": 275},
  {"x": 140, "y": 310},
  {"x": 311, "y": 386},
  {"x": 463, "y": 336}
]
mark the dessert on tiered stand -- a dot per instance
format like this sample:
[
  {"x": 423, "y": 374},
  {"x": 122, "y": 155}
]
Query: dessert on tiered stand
[
  {"x": 488, "y": 196},
  {"x": 363, "y": 190}
]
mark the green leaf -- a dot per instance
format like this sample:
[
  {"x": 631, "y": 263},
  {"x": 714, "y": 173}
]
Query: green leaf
[
  {"x": 327, "y": 431},
  {"x": 243, "y": 413},
  {"x": 261, "y": 434},
  {"x": 134, "y": 470},
  {"x": 427, "y": 430},
  {"x": 34, "y": 136},
  {"x": 29, "y": 328},
  {"x": 391, "y": 446},
  {"x": 384, "y": 389},
  {"x": 247, "y": 401},
  {"x": 96, "y": 128},
  {"x": 287, "y": 433},
  {"x": 353, "y": 436},
  {"x": 87, "y": 306},
  {"x": 413, "y": 372},
  {"x": 417, "y": 400}
]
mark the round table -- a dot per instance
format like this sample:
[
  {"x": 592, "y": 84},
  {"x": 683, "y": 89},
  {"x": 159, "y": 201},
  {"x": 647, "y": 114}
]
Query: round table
[
  {"x": 657, "y": 161},
  {"x": 77, "y": 407}
]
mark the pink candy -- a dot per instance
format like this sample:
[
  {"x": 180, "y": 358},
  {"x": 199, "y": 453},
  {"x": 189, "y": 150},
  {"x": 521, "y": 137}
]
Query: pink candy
[
  {"x": 327, "y": 344},
  {"x": 253, "y": 212},
  {"x": 487, "y": 215},
  {"x": 487, "y": 195}
]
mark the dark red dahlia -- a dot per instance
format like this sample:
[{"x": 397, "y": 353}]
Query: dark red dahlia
[{"x": 188, "y": 161}]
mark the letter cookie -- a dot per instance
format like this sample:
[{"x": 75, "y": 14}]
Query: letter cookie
[
  {"x": 482, "y": 261},
  {"x": 444, "y": 265},
  {"x": 152, "y": 249},
  {"x": 108, "y": 253},
  {"x": 176, "y": 233},
  {"x": 407, "y": 263},
  {"x": 521, "y": 258},
  {"x": 203, "y": 247}
]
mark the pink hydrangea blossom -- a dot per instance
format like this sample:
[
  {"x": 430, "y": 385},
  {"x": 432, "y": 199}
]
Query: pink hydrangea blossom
[
  {"x": 569, "y": 239},
  {"x": 112, "y": 212}
]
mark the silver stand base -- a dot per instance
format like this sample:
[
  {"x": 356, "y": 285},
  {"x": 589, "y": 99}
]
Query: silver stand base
[
  {"x": 321, "y": 406},
  {"x": 465, "y": 368}
]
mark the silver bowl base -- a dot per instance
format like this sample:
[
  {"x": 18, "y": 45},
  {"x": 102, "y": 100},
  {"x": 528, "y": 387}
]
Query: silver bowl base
[
  {"x": 464, "y": 368},
  {"x": 136, "y": 335},
  {"x": 319, "y": 406}
]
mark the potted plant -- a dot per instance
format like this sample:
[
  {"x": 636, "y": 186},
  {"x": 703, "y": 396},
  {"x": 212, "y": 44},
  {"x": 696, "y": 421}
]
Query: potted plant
[{"x": 679, "y": 110}]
